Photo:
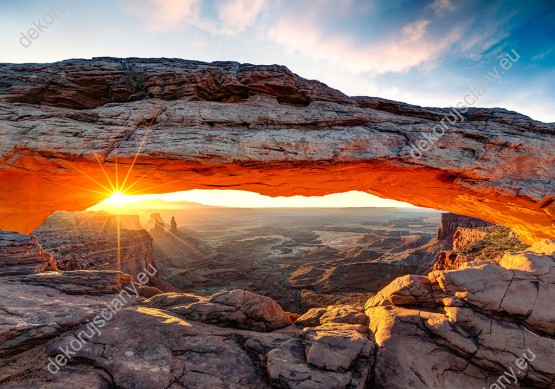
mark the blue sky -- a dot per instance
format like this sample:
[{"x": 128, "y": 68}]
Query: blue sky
[{"x": 421, "y": 52}]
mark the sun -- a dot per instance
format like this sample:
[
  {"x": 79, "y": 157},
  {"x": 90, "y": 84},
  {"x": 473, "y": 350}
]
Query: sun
[{"x": 118, "y": 199}]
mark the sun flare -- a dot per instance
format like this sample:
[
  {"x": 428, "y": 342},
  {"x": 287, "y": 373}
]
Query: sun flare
[{"x": 118, "y": 199}]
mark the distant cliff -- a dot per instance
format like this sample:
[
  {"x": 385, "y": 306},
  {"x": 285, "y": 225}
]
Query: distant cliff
[
  {"x": 105, "y": 220},
  {"x": 451, "y": 221},
  {"x": 83, "y": 241}
]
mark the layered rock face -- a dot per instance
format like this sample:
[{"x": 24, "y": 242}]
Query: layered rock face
[
  {"x": 33, "y": 294},
  {"x": 22, "y": 254},
  {"x": 469, "y": 327},
  {"x": 92, "y": 242},
  {"x": 258, "y": 128},
  {"x": 450, "y": 222}
]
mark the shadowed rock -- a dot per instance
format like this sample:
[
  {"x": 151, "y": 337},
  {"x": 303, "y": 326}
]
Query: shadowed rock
[{"x": 22, "y": 254}]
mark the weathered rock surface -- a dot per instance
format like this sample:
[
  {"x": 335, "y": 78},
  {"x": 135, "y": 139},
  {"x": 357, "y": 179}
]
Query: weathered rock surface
[
  {"x": 336, "y": 347},
  {"x": 238, "y": 308},
  {"x": 84, "y": 282},
  {"x": 461, "y": 328},
  {"x": 258, "y": 128},
  {"x": 467, "y": 327},
  {"x": 334, "y": 355},
  {"x": 35, "y": 308},
  {"x": 22, "y": 254},
  {"x": 168, "y": 300},
  {"x": 333, "y": 314}
]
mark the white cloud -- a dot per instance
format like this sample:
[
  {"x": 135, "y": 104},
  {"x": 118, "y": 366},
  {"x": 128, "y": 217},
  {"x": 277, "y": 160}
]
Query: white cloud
[
  {"x": 441, "y": 7},
  {"x": 400, "y": 52},
  {"x": 236, "y": 15}
]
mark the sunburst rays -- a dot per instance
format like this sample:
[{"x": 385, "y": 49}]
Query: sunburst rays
[
  {"x": 111, "y": 188},
  {"x": 116, "y": 186}
]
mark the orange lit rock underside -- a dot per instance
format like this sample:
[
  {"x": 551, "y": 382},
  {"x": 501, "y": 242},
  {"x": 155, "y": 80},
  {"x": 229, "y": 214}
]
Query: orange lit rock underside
[{"x": 63, "y": 126}]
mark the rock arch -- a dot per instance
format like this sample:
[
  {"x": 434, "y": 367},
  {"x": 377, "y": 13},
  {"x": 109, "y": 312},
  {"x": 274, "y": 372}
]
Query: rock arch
[{"x": 65, "y": 127}]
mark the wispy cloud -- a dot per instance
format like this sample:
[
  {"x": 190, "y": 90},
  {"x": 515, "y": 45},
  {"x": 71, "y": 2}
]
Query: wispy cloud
[
  {"x": 442, "y": 7},
  {"x": 237, "y": 15},
  {"x": 542, "y": 55},
  {"x": 163, "y": 15},
  {"x": 233, "y": 16},
  {"x": 400, "y": 52}
]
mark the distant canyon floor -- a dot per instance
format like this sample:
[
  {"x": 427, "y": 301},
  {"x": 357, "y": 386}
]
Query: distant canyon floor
[{"x": 302, "y": 258}]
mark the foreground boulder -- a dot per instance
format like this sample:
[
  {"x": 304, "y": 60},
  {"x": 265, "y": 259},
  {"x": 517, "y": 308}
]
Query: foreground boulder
[
  {"x": 237, "y": 308},
  {"x": 471, "y": 327}
]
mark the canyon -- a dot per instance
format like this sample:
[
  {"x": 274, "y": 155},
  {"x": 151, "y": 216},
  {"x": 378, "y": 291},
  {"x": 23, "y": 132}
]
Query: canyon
[
  {"x": 300, "y": 257},
  {"x": 456, "y": 328},
  {"x": 76, "y": 131}
]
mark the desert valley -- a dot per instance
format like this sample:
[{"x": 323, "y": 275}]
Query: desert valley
[{"x": 302, "y": 258}]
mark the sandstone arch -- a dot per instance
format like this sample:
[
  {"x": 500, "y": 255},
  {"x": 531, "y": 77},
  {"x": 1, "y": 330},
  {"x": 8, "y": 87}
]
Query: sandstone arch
[{"x": 63, "y": 127}]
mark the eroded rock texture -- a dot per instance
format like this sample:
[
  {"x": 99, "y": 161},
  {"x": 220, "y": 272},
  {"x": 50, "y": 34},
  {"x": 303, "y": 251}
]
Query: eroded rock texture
[
  {"x": 258, "y": 128},
  {"x": 22, "y": 254},
  {"x": 460, "y": 328},
  {"x": 450, "y": 222},
  {"x": 467, "y": 327}
]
